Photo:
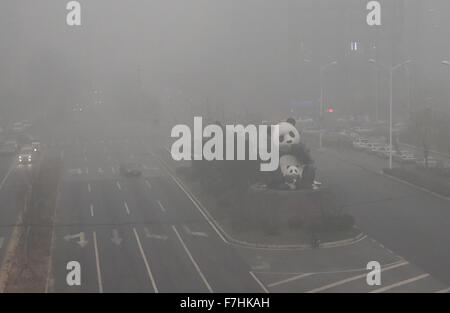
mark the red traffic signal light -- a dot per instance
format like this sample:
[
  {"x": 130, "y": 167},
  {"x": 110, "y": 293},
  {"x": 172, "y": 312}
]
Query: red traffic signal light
[{"x": 330, "y": 110}]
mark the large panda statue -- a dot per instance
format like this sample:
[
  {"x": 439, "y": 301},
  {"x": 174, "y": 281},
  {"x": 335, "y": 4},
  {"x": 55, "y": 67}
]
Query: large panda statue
[{"x": 296, "y": 168}]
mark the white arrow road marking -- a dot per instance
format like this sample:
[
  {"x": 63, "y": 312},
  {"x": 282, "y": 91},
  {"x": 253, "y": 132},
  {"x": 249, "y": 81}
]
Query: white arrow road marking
[
  {"x": 82, "y": 239},
  {"x": 89, "y": 187},
  {"x": 116, "y": 238},
  {"x": 153, "y": 236},
  {"x": 194, "y": 233},
  {"x": 1, "y": 242},
  {"x": 92, "y": 210}
]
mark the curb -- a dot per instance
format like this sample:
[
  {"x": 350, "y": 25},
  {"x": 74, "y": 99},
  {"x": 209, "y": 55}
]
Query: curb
[
  {"x": 416, "y": 186},
  {"x": 249, "y": 245}
]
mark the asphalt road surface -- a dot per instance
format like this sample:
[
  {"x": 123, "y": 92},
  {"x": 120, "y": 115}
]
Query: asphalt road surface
[
  {"x": 146, "y": 235},
  {"x": 409, "y": 221},
  {"x": 14, "y": 183}
]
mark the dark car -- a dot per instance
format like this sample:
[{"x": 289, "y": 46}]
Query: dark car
[{"x": 130, "y": 170}]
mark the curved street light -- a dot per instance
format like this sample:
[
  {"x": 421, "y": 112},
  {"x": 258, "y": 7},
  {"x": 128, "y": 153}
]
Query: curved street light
[{"x": 391, "y": 70}]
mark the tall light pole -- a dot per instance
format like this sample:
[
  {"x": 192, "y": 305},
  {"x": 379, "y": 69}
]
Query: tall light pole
[
  {"x": 391, "y": 70},
  {"x": 323, "y": 68}
]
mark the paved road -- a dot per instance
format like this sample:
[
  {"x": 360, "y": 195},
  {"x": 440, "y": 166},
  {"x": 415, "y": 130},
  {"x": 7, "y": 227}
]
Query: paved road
[
  {"x": 14, "y": 182},
  {"x": 145, "y": 235},
  {"x": 413, "y": 223},
  {"x": 137, "y": 234}
]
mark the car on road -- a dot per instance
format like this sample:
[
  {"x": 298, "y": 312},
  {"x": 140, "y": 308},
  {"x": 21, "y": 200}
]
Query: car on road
[
  {"x": 26, "y": 155},
  {"x": 383, "y": 152},
  {"x": 36, "y": 146},
  {"x": 377, "y": 147},
  {"x": 130, "y": 169},
  {"x": 405, "y": 158},
  {"x": 9, "y": 147}
]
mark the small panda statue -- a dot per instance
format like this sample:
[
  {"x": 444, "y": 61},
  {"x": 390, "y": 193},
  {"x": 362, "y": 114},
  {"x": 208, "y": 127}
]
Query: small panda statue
[{"x": 291, "y": 170}]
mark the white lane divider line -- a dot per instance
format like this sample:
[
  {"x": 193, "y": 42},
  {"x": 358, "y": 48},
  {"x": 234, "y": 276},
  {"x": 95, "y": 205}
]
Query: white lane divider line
[
  {"x": 161, "y": 206},
  {"x": 89, "y": 187},
  {"x": 192, "y": 260},
  {"x": 87, "y": 170},
  {"x": 447, "y": 290},
  {"x": 259, "y": 282},
  {"x": 113, "y": 170},
  {"x": 97, "y": 261},
  {"x": 148, "y": 184},
  {"x": 118, "y": 185},
  {"x": 6, "y": 176},
  {"x": 401, "y": 283},
  {"x": 92, "y": 210},
  {"x": 194, "y": 233},
  {"x": 288, "y": 280},
  {"x": 210, "y": 222},
  {"x": 350, "y": 279},
  {"x": 125, "y": 204},
  {"x": 2, "y": 240},
  {"x": 144, "y": 257}
]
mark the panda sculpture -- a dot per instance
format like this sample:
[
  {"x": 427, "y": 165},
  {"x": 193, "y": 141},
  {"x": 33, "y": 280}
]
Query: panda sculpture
[{"x": 296, "y": 168}]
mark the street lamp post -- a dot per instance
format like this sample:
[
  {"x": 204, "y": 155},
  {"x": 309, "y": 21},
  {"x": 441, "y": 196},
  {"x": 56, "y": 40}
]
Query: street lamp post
[
  {"x": 322, "y": 71},
  {"x": 391, "y": 70}
]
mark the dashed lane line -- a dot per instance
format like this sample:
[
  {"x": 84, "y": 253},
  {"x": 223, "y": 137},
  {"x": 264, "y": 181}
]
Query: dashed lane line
[{"x": 161, "y": 206}]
